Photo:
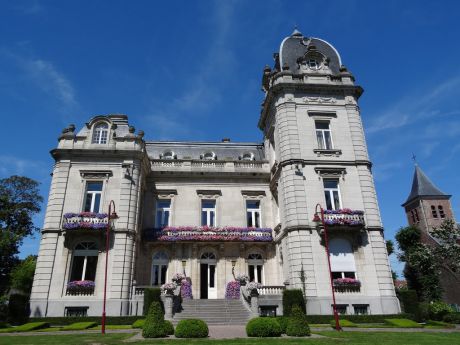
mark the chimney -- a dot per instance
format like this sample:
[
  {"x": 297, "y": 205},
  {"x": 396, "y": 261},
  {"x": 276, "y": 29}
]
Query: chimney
[{"x": 226, "y": 140}]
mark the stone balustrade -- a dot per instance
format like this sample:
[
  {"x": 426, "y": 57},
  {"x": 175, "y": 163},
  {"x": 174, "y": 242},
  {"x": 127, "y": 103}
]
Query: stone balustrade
[
  {"x": 211, "y": 166},
  {"x": 271, "y": 290},
  {"x": 344, "y": 217}
]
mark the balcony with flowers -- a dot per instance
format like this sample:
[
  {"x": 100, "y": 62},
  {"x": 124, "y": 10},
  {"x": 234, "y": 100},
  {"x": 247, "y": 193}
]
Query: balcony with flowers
[
  {"x": 85, "y": 221},
  {"x": 342, "y": 218},
  {"x": 80, "y": 288},
  {"x": 346, "y": 285},
  {"x": 209, "y": 234}
]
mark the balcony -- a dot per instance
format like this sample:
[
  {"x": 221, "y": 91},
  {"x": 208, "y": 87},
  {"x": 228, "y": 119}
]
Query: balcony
[
  {"x": 346, "y": 285},
  {"x": 209, "y": 234},
  {"x": 85, "y": 221},
  {"x": 80, "y": 288},
  {"x": 344, "y": 217}
]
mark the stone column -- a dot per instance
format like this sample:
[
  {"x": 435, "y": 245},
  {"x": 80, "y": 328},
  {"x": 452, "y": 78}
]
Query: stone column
[
  {"x": 168, "y": 303},
  {"x": 254, "y": 302}
]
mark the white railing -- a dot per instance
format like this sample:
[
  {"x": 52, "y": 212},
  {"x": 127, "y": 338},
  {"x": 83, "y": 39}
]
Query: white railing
[
  {"x": 271, "y": 290},
  {"x": 248, "y": 165},
  {"x": 166, "y": 164},
  {"x": 213, "y": 165},
  {"x": 344, "y": 218}
]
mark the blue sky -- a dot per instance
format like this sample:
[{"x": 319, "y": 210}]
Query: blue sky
[{"x": 192, "y": 70}]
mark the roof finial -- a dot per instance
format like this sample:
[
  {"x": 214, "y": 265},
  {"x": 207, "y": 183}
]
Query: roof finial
[
  {"x": 296, "y": 32},
  {"x": 414, "y": 158}
]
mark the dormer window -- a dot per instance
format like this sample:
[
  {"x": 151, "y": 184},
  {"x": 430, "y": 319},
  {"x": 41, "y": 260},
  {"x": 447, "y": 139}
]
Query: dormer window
[
  {"x": 249, "y": 156},
  {"x": 313, "y": 64},
  {"x": 100, "y": 133},
  {"x": 209, "y": 156},
  {"x": 168, "y": 155}
]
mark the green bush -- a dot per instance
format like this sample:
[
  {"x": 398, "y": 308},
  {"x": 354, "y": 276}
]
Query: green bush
[
  {"x": 31, "y": 326},
  {"x": 138, "y": 323},
  {"x": 263, "y": 327},
  {"x": 403, "y": 323},
  {"x": 154, "y": 323},
  {"x": 283, "y": 322},
  {"x": 169, "y": 328},
  {"x": 437, "y": 310},
  {"x": 409, "y": 301},
  {"x": 343, "y": 323},
  {"x": 110, "y": 320},
  {"x": 18, "y": 309},
  {"x": 452, "y": 318},
  {"x": 191, "y": 328},
  {"x": 152, "y": 295},
  {"x": 292, "y": 297},
  {"x": 297, "y": 325},
  {"x": 423, "y": 312},
  {"x": 78, "y": 326}
]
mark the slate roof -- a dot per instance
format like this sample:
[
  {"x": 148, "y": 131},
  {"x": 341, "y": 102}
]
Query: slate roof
[
  {"x": 296, "y": 46},
  {"x": 423, "y": 187}
]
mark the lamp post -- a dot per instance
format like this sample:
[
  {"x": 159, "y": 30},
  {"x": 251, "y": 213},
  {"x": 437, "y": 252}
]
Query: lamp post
[
  {"x": 184, "y": 263},
  {"x": 320, "y": 218},
  {"x": 233, "y": 268},
  {"x": 107, "y": 243}
]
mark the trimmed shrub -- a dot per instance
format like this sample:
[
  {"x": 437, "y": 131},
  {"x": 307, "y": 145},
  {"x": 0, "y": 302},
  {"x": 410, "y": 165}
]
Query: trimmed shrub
[
  {"x": 31, "y": 326},
  {"x": 403, "y": 323},
  {"x": 154, "y": 323},
  {"x": 297, "y": 325},
  {"x": 452, "y": 318},
  {"x": 152, "y": 295},
  {"x": 409, "y": 301},
  {"x": 78, "y": 326},
  {"x": 110, "y": 320},
  {"x": 292, "y": 297},
  {"x": 169, "y": 328},
  {"x": 18, "y": 309},
  {"x": 283, "y": 321},
  {"x": 263, "y": 327},
  {"x": 437, "y": 310},
  {"x": 138, "y": 323},
  {"x": 343, "y": 323},
  {"x": 191, "y": 328},
  {"x": 439, "y": 324}
]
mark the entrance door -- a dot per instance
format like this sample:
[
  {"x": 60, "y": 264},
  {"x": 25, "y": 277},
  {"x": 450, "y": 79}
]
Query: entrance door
[{"x": 208, "y": 276}]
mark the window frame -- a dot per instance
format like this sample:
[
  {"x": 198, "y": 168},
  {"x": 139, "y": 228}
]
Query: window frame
[
  {"x": 255, "y": 263},
  {"x": 93, "y": 196},
  {"x": 253, "y": 212},
  {"x": 85, "y": 253},
  {"x": 97, "y": 136},
  {"x": 442, "y": 214},
  {"x": 208, "y": 211},
  {"x": 163, "y": 210},
  {"x": 161, "y": 259},
  {"x": 330, "y": 192},
  {"x": 320, "y": 132}
]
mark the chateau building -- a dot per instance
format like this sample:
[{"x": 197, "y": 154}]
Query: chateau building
[
  {"x": 427, "y": 207},
  {"x": 213, "y": 210}
]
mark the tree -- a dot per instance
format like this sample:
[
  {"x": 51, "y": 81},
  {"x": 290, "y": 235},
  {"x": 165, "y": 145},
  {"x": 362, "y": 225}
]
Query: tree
[
  {"x": 390, "y": 247},
  {"x": 448, "y": 238},
  {"x": 22, "y": 276},
  {"x": 19, "y": 201}
]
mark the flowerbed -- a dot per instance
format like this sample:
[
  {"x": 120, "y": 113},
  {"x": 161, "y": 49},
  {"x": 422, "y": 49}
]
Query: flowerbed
[
  {"x": 186, "y": 289},
  {"x": 204, "y": 233},
  {"x": 85, "y": 220},
  {"x": 233, "y": 290}
]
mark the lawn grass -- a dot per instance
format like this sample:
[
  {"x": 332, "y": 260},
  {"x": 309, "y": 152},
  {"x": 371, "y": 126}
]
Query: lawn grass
[
  {"x": 403, "y": 323},
  {"x": 344, "y": 323},
  {"x": 333, "y": 338}
]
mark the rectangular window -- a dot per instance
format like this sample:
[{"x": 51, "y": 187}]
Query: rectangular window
[
  {"x": 332, "y": 194},
  {"x": 323, "y": 135},
  {"x": 76, "y": 311},
  {"x": 253, "y": 213},
  {"x": 441, "y": 212},
  {"x": 337, "y": 275},
  {"x": 208, "y": 212},
  {"x": 163, "y": 213},
  {"x": 159, "y": 274},
  {"x": 341, "y": 308},
  {"x": 93, "y": 196},
  {"x": 361, "y": 309},
  {"x": 433, "y": 211}
]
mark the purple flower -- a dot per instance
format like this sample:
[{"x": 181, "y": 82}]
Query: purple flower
[
  {"x": 186, "y": 288},
  {"x": 233, "y": 290},
  {"x": 81, "y": 284}
]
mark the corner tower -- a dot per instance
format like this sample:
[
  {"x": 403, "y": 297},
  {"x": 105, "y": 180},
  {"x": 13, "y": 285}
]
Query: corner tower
[{"x": 315, "y": 143}]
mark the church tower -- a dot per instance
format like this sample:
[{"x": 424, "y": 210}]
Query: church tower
[
  {"x": 426, "y": 206},
  {"x": 315, "y": 144}
]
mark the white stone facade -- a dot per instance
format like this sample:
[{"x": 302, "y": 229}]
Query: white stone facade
[{"x": 283, "y": 179}]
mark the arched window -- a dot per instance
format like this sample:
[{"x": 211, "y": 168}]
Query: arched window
[
  {"x": 248, "y": 156},
  {"x": 84, "y": 261},
  {"x": 169, "y": 155},
  {"x": 100, "y": 133},
  {"x": 208, "y": 256},
  {"x": 160, "y": 263},
  {"x": 342, "y": 259},
  {"x": 441, "y": 212},
  {"x": 255, "y": 267},
  {"x": 433, "y": 211}
]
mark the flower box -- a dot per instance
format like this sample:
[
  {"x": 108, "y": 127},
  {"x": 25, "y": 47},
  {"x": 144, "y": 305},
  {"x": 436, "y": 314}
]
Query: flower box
[
  {"x": 233, "y": 290},
  {"x": 80, "y": 287},
  {"x": 343, "y": 284},
  {"x": 344, "y": 217},
  {"x": 204, "y": 234},
  {"x": 85, "y": 220},
  {"x": 168, "y": 288}
]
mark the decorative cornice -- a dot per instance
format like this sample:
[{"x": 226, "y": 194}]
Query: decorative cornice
[{"x": 96, "y": 173}]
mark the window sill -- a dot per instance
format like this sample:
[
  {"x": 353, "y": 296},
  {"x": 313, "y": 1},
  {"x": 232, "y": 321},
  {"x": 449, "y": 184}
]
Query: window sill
[{"x": 333, "y": 152}]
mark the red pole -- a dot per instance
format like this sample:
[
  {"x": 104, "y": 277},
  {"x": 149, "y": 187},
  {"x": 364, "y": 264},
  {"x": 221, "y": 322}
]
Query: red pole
[
  {"x": 107, "y": 243},
  {"x": 326, "y": 242}
]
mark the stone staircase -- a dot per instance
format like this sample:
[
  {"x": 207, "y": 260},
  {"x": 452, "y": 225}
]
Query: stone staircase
[{"x": 214, "y": 311}]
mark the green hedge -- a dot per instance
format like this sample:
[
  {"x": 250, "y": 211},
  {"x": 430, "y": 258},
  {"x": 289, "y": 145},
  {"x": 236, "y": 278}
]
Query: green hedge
[
  {"x": 263, "y": 327},
  {"x": 452, "y": 318},
  {"x": 31, "y": 326},
  {"x": 292, "y": 297},
  {"x": 152, "y": 295},
  {"x": 79, "y": 326},
  {"x": 138, "y": 323},
  {"x": 18, "y": 309},
  {"x": 403, "y": 323},
  {"x": 110, "y": 320},
  {"x": 191, "y": 328},
  {"x": 154, "y": 323},
  {"x": 439, "y": 324},
  {"x": 409, "y": 301},
  {"x": 297, "y": 325},
  {"x": 326, "y": 319}
]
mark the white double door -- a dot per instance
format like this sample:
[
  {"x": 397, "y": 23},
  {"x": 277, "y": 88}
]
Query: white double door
[{"x": 208, "y": 280}]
